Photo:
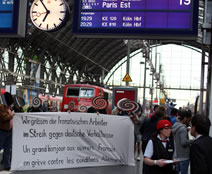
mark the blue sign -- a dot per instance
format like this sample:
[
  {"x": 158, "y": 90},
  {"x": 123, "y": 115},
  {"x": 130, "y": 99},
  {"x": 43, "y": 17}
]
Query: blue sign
[
  {"x": 7, "y": 11},
  {"x": 11, "y": 14},
  {"x": 152, "y": 19}
]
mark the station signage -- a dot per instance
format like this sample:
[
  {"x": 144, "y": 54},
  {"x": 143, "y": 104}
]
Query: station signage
[
  {"x": 13, "y": 18},
  {"x": 127, "y": 78},
  {"x": 159, "y": 19}
]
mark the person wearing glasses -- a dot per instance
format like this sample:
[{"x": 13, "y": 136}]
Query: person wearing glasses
[{"x": 160, "y": 149}]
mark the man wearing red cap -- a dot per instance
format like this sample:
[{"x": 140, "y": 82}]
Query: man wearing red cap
[{"x": 160, "y": 149}]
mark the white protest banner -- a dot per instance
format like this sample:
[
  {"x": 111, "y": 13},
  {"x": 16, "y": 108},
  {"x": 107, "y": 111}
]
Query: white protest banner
[{"x": 54, "y": 140}]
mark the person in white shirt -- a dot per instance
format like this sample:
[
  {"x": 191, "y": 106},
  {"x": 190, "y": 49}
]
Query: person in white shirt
[{"x": 160, "y": 149}]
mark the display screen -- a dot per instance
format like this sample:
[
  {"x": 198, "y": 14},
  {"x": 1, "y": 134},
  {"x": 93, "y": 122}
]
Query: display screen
[
  {"x": 8, "y": 16},
  {"x": 131, "y": 18}
]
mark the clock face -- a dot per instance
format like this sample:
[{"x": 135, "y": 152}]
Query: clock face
[{"x": 49, "y": 15}]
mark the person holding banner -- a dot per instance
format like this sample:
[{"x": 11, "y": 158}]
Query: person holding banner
[
  {"x": 6, "y": 116},
  {"x": 160, "y": 149},
  {"x": 137, "y": 117},
  {"x": 36, "y": 105},
  {"x": 99, "y": 105},
  {"x": 134, "y": 111}
]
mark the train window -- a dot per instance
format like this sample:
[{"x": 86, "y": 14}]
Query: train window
[
  {"x": 106, "y": 95},
  {"x": 110, "y": 96},
  {"x": 86, "y": 92},
  {"x": 72, "y": 92},
  {"x": 100, "y": 92},
  {"x": 54, "y": 103}
]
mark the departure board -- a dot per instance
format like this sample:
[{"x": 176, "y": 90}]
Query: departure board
[
  {"x": 153, "y": 19},
  {"x": 13, "y": 18}
]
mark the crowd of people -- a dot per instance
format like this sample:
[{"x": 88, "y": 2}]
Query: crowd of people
[{"x": 162, "y": 137}]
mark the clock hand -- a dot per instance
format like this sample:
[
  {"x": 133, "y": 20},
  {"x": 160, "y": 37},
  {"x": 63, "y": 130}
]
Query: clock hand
[
  {"x": 38, "y": 14},
  {"x": 44, "y": 5},
  {"x": 43, "y": 13},
  {"x": 46, "y": 16}
]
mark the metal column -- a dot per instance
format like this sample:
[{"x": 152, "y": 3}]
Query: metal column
[
  {"x": 202, "y": 81},
  {"x": 144, "y": 89},
  {"x": 128, "y": 60},
  {"x": 103, "y": 76},
  {"x": 207, "y": 25},
  {"x": 209, "y": 89},
  {"x": 152, "y": 88}
]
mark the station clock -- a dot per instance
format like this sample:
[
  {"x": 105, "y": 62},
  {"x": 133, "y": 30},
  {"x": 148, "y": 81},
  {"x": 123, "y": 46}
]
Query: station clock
[{"x": 49, "y": 15}]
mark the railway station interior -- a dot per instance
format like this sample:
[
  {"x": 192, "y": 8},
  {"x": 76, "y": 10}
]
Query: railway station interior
[{"x": 164, "y": 70}]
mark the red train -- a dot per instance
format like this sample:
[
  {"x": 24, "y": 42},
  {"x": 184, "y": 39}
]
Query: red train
[
  {"x": 53, "y": 103},
  {"x": 78, "y": 97}
]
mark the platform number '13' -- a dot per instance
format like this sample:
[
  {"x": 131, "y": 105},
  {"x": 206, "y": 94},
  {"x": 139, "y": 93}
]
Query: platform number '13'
[{"x": 185, "y": 2}]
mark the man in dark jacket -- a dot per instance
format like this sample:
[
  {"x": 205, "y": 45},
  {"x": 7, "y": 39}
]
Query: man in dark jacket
[{"x": 201, "y": 148}]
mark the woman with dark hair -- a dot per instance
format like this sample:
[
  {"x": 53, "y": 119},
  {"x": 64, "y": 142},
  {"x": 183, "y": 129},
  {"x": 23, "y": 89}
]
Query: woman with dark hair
[
  {"x": 149, "y": 127},
  {"x": 163, "y": 109},
  {"x": 154, "y": 109},
  {"x": 160, "y": 149}
]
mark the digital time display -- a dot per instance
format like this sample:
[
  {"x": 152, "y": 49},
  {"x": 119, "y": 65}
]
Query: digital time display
[{"x": 131, "y": 18}]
